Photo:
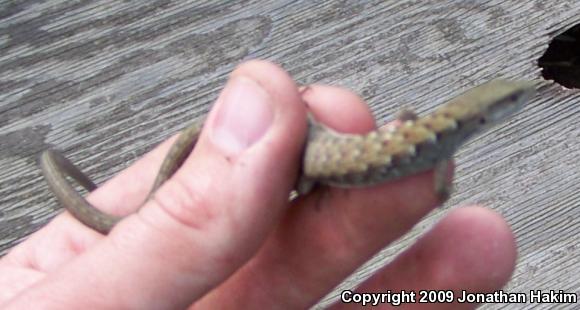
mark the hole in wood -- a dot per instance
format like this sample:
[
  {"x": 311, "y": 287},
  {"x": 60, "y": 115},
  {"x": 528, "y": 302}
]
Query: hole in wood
[{"x": 561, "y": 61}]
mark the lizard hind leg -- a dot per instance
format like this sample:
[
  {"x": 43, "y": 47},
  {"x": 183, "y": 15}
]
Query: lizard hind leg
[
  {"x": 406, "y": 115},
  {"x": 442, "y": 182}
]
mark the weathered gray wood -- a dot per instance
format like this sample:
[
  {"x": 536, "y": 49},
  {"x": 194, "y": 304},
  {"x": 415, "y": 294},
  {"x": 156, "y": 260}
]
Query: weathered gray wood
[{"x": 104, "y": 81}]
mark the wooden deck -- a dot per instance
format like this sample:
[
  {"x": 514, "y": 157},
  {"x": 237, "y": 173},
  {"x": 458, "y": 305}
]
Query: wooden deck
[{"x": 104, "y": 81}]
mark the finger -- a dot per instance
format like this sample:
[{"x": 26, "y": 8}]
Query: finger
[
  {"x": 471, "y": 249},
  {"x": 16, "y": 279},
  {"x": 330, "y": 233},
  {"x": 210, "y": 217},
  {"x": 64, "y": 238},
  {"x": 349, "y": 112}
]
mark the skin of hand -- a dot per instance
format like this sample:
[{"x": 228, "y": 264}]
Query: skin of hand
[{"x": 222, "y": 234}]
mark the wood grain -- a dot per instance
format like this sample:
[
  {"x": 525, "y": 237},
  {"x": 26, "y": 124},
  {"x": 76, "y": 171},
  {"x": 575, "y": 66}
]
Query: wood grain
[{"x": 104, "y": 81}]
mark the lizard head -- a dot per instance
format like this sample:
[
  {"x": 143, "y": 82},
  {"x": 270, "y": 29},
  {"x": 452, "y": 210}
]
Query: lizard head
[
  {"x": 490, "y": 103},
  {"x": 502, "y": 98}
]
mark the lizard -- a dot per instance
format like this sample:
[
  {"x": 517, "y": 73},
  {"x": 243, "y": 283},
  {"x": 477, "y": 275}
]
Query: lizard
[{"x": 338, "y": 159}]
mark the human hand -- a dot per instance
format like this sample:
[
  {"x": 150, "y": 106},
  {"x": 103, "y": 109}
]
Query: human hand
[{"x": 222, "y": 234}]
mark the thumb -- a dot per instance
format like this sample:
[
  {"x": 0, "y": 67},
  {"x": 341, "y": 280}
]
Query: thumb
[{"x": 210, "y": 217}]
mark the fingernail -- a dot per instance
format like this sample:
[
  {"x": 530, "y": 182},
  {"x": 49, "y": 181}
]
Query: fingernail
[{"x": 244, "y": 114}]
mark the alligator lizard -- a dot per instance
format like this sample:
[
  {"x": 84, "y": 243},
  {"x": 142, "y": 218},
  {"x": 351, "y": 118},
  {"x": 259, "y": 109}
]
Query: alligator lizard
[{"x": 338, "y": 159}]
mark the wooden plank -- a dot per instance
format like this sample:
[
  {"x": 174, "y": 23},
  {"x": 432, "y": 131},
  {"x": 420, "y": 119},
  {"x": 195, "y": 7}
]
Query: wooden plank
[{"x": 104, "y": 81}]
